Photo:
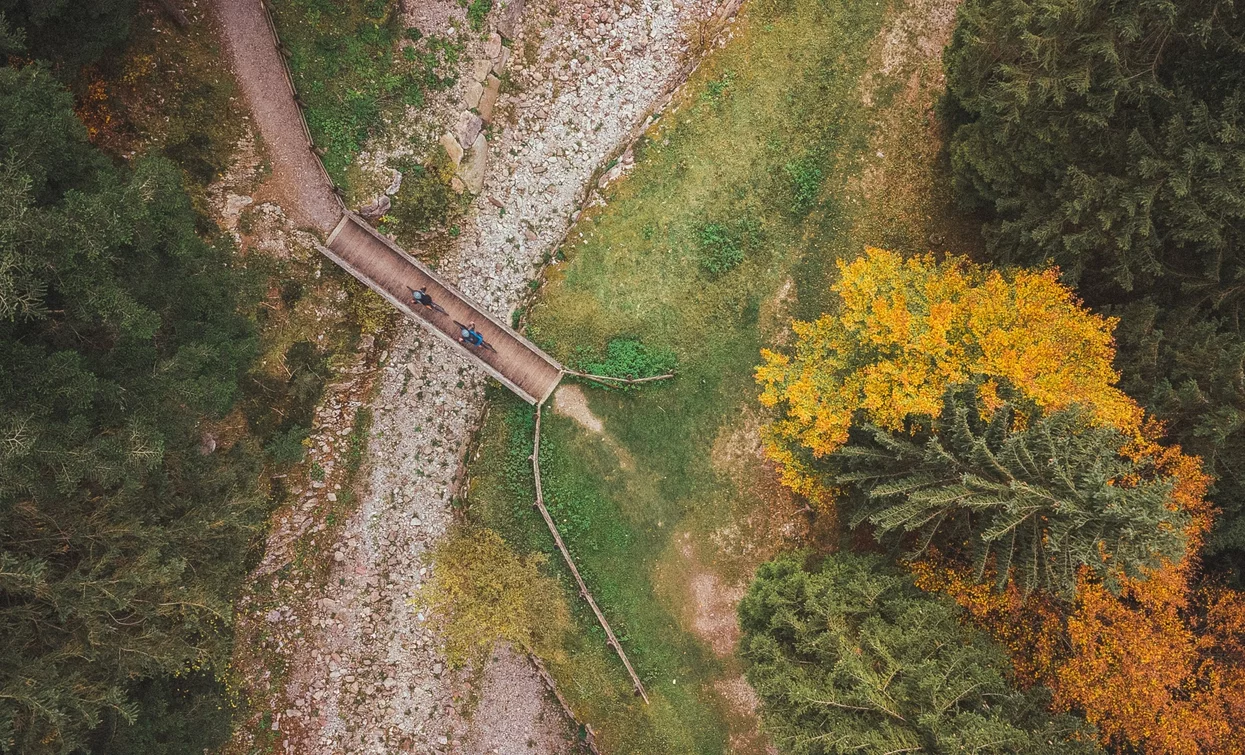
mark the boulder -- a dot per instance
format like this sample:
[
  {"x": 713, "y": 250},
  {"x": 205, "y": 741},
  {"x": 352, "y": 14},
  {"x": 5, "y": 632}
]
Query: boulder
[
  {"x": 480, "y": 68},
  {"x": 452, "y": 148},
  {"x": 471, "y": 97},
  {"x": 488, "y": 100},
  {"x": 492, "y": 48},
  {"x": 509, "y": 18},
  {"x": 472, "y": 169},
  {"x": 499, "y": 65},
  {"x": 468, "y": 128},
  {"x": 374, "y": 211},
  {"x": 395, "y": 184}
]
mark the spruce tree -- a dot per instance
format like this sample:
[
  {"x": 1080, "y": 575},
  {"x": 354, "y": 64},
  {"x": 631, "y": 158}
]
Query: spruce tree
[
  {"x": 123, "y": 336},
  {"x": 1108, "y": 137},
  {"x": 1039, "y": 499},
  {"x": 850, "y": 657}
]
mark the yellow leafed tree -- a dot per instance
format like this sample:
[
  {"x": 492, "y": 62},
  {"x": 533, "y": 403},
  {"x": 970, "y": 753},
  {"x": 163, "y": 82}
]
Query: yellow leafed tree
[{"x": 906, "y": 330}]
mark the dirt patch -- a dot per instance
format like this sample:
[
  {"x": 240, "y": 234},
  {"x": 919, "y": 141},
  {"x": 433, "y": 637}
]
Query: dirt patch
[
  {"x": 919, "y": 32},
  {"x": 742, "y": 701},
  {"x": 706, "y": 602},
  {"x": 713, "y": 617},
  {"x": 772, "y": 517},
  {"x": 569, "y": 401},
  {"x": 776, "y": 315}
]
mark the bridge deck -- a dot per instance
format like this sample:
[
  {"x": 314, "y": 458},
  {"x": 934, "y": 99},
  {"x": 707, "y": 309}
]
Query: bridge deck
[{"x": 389, "y": 271}]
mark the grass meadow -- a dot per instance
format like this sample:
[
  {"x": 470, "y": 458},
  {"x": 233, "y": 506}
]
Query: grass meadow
[{"x": 787, "y": 152}]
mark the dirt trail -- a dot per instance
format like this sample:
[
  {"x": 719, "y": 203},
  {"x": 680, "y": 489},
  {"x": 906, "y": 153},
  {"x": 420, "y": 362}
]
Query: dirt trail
[
  {"x": 297, "y": 182},
  {"x": 355, "y": 669}
]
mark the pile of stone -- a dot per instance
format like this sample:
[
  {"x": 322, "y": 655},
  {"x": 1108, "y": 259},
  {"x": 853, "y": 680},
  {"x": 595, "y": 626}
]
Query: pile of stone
[{"x": 467, "y": 145}]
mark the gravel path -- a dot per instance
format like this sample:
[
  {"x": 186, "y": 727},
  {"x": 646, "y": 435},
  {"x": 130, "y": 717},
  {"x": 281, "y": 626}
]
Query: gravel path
[
  {"x": 297, "y": 182},
  {"x": 356, "y": 669}
]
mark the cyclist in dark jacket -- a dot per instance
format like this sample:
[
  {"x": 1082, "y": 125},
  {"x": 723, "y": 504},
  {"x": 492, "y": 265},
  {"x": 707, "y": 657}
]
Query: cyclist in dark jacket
[{"x": 421, "y": 296}]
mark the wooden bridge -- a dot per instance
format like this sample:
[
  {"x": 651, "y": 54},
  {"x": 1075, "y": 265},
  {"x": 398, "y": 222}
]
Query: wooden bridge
[{"x": 385, "y": 268}]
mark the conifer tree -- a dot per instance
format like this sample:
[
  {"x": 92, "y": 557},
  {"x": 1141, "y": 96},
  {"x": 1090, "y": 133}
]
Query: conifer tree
[
  {"x": 1107, "y": 136},
  {"x": 122, "y": 332},
  {"x": 1043, "y": 499},
  {"x": 852, "y": 658}
]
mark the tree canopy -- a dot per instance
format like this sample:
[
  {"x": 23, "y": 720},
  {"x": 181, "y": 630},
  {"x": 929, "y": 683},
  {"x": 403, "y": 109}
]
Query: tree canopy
[
  {"x": 1037, "y": 500},
  {"x": 123, "y": 336},
  {"x": 905, "y": 331},
  {"x": 1108, "y": 137},
  {"x": 72, "y": 33},
  {"x": 850, "y": 657}
]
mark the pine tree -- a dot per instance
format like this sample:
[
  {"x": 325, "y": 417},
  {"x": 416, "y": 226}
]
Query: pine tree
[
  {"x": 1188, "y": 370},
  {"x": 1043, "y": 499},
  {"x": 852, "y": 658},
  {"x": 121, "y": 332},
  {"x": 1107, "y": 136}
]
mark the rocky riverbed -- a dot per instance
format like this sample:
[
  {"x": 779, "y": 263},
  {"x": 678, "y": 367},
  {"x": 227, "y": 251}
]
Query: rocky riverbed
[{"x": 350, "y": 665}]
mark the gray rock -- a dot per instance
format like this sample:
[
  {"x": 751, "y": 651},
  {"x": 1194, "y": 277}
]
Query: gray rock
[
  {"x": 499, "y": 65},
  {"x": 374, "y": 211},
  {"x": 488, "y": 100},
  {"x": 492, "y": 48},
  {"x": 472, "y": 96},
  {"x": 472, "y": 169},
  {"x": 480, "y": 68},
  {"x": 509, "y": 18},
  {"x": 468, "y": 128},
  {"x": 453, "y": 149},
  {"x": 391, "y": 190}
]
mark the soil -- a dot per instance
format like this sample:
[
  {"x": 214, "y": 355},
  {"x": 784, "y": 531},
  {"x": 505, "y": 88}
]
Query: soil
[
  {"x": 569, "y": 401},
  {"x": 297, "y": 184},
  {"x": 514, "y": 715}
]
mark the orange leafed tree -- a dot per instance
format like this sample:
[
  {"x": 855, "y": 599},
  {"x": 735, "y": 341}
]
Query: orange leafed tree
[
  {"x": 907, "y": 330},
  {"x": 1157, "y": 667}
]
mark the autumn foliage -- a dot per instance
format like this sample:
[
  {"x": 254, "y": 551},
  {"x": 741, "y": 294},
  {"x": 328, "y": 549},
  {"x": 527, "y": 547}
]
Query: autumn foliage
[
  {"x": 1158, "y": 666},
  {"x": 907, "y": 330}
]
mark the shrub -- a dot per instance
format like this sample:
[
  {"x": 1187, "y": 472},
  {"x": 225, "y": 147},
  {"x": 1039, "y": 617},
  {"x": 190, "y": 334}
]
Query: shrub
[
  {"x": 720, "y": 248},
  {"x": 629, "y": 358},
  {"x": 482, "y": 592},
  {"x": 805, "y": 175}
]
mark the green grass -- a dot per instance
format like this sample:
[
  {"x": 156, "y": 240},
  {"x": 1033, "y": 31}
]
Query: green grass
[
  {"x": 769, "y": 168},
  {"x": 351, "y": 72}
]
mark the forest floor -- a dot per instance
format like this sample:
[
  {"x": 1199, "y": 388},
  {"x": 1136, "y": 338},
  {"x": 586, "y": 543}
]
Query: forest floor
[{"x": 806, "y": 138}]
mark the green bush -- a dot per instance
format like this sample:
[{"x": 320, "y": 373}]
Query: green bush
[
  {"x": 425, "y": 201},
  {"x": 720, "y": 248},
  {"x": 628, "y": 358},
  {"x": 477, "y": 12},
  {"x": 287, "y": 447}
]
